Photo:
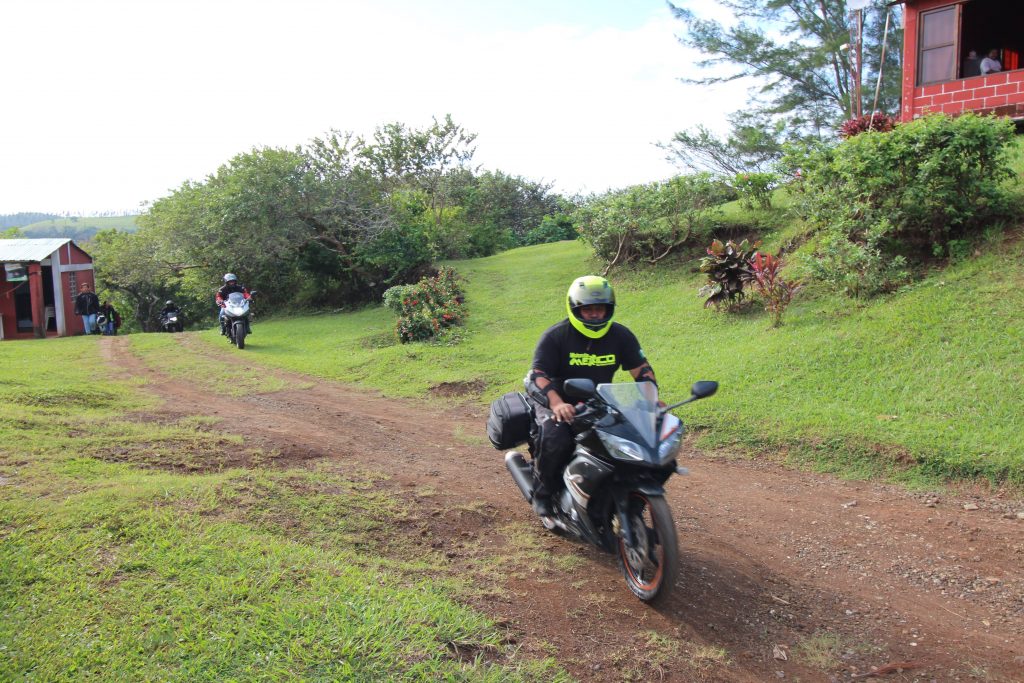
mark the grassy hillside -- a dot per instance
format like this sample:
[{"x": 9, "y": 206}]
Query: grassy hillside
[
  {"x": 921, "y": 384},
  {"x": 79, "y": 228}
]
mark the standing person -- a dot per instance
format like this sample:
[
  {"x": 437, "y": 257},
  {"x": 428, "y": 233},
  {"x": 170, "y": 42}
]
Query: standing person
[
  {"x": 109, "y": 317},
  {"x": 586, "y": 344},
  {"x": 87, "y": 305},
  {"x": 230, "y": 286},
  {"x": 991, "y": 63}
]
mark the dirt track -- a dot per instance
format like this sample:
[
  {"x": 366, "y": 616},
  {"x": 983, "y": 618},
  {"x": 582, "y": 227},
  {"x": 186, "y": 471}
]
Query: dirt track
[{"x": 774, "y": 561}]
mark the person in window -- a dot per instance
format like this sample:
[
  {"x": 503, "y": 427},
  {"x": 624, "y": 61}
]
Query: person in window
[
  {"x": 587, "y": 344},
  {"x": 990, "y": 64},
  {"x": 87, "y": 305},
  {"x": 972, "y": 65}
]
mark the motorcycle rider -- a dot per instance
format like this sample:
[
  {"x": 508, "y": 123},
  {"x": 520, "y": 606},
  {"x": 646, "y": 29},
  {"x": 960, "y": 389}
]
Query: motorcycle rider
[
  {"x": 230, "y": 286},
  {"x": 587, "y": 344},
  {"x": 169, "y": 307}
]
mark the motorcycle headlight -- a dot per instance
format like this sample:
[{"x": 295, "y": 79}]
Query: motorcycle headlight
[{"x": 623, "y": 448}]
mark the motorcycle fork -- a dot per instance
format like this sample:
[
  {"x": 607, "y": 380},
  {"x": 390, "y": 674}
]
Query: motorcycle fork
[{"x": 621, "y": 525}]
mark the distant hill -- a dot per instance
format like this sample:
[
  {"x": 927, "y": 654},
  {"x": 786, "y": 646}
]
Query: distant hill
[
  {"x": 16, "y": 220},
  {"x": 79, "y": 229}
]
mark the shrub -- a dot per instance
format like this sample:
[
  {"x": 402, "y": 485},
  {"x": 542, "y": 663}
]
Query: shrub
[
  {"x": 427, "y": 307},
  {"x": 928, "y": 182},
  {"x": 879, "y": 122},
  {"x": 776, "y": 292},
  {"x": 646, "y": 223},
  {"x": 857, "y": 269},
  {"x": 728, "y": 269},
  {"x": 932, "y": 180},
  {"x": 755, "y": 189},
  {"x": 552, "y": 229}
]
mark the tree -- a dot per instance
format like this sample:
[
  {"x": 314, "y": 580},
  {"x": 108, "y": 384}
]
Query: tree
[
  {"x": 752, "y": 145},
  {"x": 799, "y": 51},
  {"x": 129, "y": 265},
  {"x": 423, "y": 160}
]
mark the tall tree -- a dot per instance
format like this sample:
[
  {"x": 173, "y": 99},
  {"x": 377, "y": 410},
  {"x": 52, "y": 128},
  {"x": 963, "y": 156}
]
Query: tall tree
[{"x": 800, "y": 51}]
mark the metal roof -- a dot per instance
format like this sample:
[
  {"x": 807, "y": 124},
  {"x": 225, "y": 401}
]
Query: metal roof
[{"x": 30, "y": 250}]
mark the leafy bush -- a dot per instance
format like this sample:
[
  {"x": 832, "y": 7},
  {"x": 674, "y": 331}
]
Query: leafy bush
[
  {"x": 893, "y": 196},
  {"x": 427, "y": 307},
  {"x": 646, "y": 223},
  {"x": 776, "y": 292},
  {"x": 929, "y": 180},
  {"x": 755, "y": 189},
  {"x": 552, "y": 229},
  {"x": 728, "y": 269},
  {"x": 857, "y": 269},
  {"x": 879, "y": 122}
]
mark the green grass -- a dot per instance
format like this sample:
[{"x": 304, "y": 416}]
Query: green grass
[
  {"x": 114, "y": 568},
  {"x": 917, "y": 386},
  {"x": 78, "y": 228}
]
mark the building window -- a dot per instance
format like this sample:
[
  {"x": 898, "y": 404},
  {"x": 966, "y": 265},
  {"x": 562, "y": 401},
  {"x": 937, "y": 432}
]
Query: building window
[
  {"x": 939, "y": 45},
  {"x": 73, "y": 284},
  {"x": 952, "y": 40}
]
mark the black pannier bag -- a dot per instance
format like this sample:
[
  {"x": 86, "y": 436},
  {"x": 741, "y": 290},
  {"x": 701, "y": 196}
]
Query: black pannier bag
[{"x": 509, "y": 423}]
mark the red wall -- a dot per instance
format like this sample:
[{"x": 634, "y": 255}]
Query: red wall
[{"x": 1001, "y": 94}]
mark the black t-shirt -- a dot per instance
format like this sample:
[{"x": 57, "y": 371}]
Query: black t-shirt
[{"x": 563, "y": 353}]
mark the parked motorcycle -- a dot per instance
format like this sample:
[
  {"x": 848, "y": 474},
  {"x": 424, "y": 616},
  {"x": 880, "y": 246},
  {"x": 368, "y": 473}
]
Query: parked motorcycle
[
  {"x": 237, "y": 318},
  {"x": 172, "y": 321},
  {"x": 614, "y": 495}
]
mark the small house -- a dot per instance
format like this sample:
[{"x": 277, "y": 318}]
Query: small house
[
  {"x": 944, "y": 42},
  {"x": 39, "y": 279}
]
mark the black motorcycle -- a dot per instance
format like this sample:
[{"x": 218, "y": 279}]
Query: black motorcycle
[
  {"x": 172, "y": 321},
  {"x": 614, "y": 495}
]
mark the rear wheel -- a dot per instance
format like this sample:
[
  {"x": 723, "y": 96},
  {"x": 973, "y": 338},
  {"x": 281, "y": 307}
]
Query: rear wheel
[
  {"x": 238, "y": 332},
  {"x": 650, "y": 559}
]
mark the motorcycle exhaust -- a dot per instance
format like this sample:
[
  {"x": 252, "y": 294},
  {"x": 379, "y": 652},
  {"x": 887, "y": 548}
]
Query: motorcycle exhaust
[{"x": 522, "y": 473}]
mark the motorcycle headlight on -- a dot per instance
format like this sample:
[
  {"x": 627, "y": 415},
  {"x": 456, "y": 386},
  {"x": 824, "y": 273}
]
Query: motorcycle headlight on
[{"x": 621, "y": 448}]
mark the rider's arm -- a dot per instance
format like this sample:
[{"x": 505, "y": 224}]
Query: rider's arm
[
  {"x": 644, "y": 373},
  {"x": 540, "y": 386}
]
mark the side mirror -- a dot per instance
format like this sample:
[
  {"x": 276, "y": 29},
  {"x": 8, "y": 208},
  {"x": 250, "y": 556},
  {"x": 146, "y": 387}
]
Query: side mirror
[
  {"x": 253, "y": 293},
  {"x": 703, "y": 389},
  {"x": 579, "y": 388}
]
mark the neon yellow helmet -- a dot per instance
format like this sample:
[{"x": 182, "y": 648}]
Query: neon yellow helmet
[{"x": 590, "y": 290}]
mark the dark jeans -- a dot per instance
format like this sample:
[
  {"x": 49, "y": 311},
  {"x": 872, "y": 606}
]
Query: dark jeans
[{"x": 553, "y": 449}]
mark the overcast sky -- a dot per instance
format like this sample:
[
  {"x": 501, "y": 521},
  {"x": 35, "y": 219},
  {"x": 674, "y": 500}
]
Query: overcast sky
[{"x": 108, "y": 104}]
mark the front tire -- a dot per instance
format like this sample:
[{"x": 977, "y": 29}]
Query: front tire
[
  {"x": 650, "y": 562},
  {"x": 238, "y": 333}
]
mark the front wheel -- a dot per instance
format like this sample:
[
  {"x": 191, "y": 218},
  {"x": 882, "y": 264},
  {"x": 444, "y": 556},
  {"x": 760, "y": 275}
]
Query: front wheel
[
  {"x": 238, "y": 333},
  {"x": 650, "y": 559}
]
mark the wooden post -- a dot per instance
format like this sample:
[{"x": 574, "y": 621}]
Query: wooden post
[{"x": 35, "y": 291}]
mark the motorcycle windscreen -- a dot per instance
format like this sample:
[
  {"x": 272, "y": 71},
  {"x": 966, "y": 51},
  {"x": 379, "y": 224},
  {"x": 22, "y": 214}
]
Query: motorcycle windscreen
[
  {"x": 236, "y": 298},
  {"x": 638, "y": 404}
]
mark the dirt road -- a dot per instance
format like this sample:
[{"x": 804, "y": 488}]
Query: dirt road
[{"x": 785, "y": 575}]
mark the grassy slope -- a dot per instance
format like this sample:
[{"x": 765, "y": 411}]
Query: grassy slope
[
  {"x": 928, "y": 376},
  {"x": 127, "y": 553}
]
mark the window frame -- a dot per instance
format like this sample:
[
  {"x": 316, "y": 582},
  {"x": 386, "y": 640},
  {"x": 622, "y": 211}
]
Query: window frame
[{"x": 957, "y": 9}]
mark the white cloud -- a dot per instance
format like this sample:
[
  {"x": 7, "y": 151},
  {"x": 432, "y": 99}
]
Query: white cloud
[{"x": 113, "y": 103}]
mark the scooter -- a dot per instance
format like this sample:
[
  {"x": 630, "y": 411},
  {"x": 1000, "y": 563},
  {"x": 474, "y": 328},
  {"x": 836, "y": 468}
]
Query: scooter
[{"x": 614, "y": 495}]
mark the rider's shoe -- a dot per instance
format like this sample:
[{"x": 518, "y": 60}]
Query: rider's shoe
[{"x": 542, "y": 506}]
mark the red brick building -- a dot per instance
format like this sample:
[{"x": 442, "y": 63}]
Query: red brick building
[
  {"x": 938, "y": 75},
  {"x": 39, "y": 279}
]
